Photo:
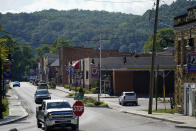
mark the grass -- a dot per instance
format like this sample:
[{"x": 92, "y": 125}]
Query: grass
[
  {"x": 92, "y": 102},
  {"x": 172, "y": 111},
  {"x": 71, "y": 94},
  {"x": 6, "y": 106}
]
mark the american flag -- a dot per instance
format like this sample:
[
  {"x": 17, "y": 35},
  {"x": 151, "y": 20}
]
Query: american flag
[{"x": 99, "y": 44}]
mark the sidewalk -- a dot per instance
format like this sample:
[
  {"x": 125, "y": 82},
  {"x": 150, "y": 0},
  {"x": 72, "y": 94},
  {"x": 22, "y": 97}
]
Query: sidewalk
[
  {"x": 180, "y": 120},
  {"x": 16, "y": 111}
]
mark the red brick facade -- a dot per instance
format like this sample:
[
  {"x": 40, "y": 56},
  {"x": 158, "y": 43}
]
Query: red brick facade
[
  {"x": 68, "y": 54},
  {"x": 122, "y": 81}
]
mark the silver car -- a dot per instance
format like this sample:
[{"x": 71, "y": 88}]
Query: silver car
[{"x": 128, "y": 98}]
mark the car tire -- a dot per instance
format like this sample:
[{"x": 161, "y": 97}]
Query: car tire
[
  {"x": 123, "y": 104},
  {"x": 39, "y": 125},
  {"x": 46, "y": 128},
  {"x": 74, "y": 127}
]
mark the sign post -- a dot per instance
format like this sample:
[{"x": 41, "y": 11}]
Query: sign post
[{"x": 78, "y": 109}]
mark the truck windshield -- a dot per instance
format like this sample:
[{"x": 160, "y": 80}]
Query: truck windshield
[{"x": 58, "y": 105}]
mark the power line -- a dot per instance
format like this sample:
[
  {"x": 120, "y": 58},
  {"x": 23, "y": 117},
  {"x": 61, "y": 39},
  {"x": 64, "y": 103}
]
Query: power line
[{"x": 120, "y": 2}]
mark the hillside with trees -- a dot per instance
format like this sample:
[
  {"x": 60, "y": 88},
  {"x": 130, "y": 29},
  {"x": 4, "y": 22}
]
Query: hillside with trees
[{"x": 126, "y": 32}]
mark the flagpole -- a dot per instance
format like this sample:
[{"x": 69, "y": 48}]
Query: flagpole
[{"x": 100, "y": 67}]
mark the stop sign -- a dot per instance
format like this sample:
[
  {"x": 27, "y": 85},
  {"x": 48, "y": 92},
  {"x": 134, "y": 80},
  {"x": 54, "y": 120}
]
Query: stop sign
[{"x": 78, "y": 108}]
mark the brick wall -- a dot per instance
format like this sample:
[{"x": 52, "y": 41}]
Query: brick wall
[
  {"x": 68, "y": 54},
  {"x": 185, "y": 28},
  {"x": 122, "y": 81}
]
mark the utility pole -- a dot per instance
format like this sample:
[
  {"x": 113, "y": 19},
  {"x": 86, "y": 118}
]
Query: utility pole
[
  {"x": 99, "y": 69},
  {"x": 153, "y": 60},
  {"x": 1, "y": 91},
  {"x": 156, "y": 89}
]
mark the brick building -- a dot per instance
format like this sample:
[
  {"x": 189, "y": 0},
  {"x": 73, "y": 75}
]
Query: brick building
[
  {"x": 120, "y": 74},
  {"x": 45, "y": 61},
  {"x": 185, "y": 55},
  {"x": 69, "y": 54}
]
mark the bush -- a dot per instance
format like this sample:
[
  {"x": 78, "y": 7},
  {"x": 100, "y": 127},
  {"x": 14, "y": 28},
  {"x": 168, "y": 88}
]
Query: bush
[
  {"x": 70, "y": 94},
  {"x": 5, "y": 107},
  {"x": 97, "y": 103},
  {"x": 94, "y": 90},
  {"x": 89, "y": 101},
  {"x": 66, "y": 86},
  {"x": 52, "y": 84},
  {"x": 90, "y": 104}
]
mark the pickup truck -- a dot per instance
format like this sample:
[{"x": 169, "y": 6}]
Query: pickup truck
[{"x": 56, "y": 113}]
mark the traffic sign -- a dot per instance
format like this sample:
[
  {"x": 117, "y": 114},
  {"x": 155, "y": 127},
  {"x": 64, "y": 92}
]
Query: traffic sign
[
  {"x": 78, "y": 108},
  {"x": 79, "y": 96}
]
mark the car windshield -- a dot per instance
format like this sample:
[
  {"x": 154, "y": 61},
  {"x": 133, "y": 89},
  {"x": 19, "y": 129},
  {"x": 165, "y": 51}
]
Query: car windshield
[
  {"x": 40, "y": 92},
  {"x": 43, "y": 84},
  {"x": 58, "y": 105},
  {"x": 129, "y": 94}
]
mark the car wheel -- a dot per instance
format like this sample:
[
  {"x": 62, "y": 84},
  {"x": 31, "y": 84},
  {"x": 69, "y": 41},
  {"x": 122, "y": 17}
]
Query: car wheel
[
  {"x": 123, "y": 104},
  {"x": 74, "y": 127},
  {"x": 39, "y": 125},
  {"x": 46, "y": 128}
]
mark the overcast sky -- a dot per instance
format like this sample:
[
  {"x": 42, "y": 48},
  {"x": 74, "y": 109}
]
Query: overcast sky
[{"x": 125, "y": 6}]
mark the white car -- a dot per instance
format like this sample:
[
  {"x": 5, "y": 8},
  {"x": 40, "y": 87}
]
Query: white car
[{"x": 128, "y": 98}]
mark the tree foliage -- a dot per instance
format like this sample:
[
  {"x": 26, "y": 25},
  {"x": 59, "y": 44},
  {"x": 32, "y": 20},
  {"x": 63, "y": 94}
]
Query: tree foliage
[
  {"x": 165, "y": 38},
  {"x": 83, "y": 28}
]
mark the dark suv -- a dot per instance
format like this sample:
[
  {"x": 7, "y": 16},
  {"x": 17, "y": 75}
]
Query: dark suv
[
  {"x": 40, "y": 95},
  {"x": 42, "y": 85}
]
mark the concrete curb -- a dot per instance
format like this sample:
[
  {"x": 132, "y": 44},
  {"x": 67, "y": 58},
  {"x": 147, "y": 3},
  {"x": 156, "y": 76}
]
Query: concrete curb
[
  {"x": 13, "y": 120},
  {"x": 184, "y": 126},
  {"x": 10, "y": 119}
]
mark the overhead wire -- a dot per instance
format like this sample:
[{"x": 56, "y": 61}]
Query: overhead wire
[{"x": 120, "y": 2}]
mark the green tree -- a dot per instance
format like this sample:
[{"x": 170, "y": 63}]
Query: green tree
[
  {"x": 165, "y": 38},
  {"x": 54, "y": 48}
]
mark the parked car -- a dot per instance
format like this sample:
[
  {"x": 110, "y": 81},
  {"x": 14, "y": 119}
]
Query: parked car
[
  {"x": 40, "y": 95},
  {"x": 128, "y": 98},
  {"x": 16, "y": 83},
  {"x": 42, "y": 85},
  {"x": 56, "y": 113},
  {"x": 6, "y": 83}
]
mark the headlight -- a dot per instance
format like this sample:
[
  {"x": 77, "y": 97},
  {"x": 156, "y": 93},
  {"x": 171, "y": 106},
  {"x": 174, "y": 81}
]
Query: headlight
[{"x": 49, "y": 115}]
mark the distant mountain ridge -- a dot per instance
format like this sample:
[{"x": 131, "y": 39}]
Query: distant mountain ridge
[{"x": 125, "y": 32}]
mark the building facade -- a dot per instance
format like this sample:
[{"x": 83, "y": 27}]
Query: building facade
[
  {"x": 67, "y": 55},
  {"x": 185, "y": 65}
]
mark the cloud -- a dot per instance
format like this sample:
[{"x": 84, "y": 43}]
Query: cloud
[{"x": 125, "y": 6}]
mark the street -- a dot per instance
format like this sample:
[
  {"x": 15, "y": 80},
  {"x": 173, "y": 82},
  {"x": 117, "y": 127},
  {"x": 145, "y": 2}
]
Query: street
[{"x": 93, "y": 119}]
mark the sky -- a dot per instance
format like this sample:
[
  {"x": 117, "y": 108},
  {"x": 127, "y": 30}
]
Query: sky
[{"x": 137, "y": 7}]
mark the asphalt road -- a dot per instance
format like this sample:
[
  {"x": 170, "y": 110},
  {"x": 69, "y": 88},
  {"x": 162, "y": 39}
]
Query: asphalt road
[{"x": 93, "y": 119}]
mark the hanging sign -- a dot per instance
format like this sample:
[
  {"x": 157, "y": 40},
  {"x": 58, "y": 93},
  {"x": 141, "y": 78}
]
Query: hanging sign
[
  {"x": 191, "y": 62},
  {"x": 94, "y": 72}
]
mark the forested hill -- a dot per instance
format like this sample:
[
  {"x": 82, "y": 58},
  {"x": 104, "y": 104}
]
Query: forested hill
[{"x": 125, "y": 32}]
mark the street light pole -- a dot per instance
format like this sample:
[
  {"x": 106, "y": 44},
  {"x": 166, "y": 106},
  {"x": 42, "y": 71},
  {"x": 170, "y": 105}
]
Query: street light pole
[{"x": 153, "y": 61}]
